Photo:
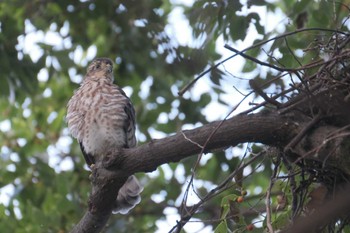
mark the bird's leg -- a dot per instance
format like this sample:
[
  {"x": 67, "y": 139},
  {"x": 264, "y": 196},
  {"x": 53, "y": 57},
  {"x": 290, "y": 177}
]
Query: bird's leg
[{"x": 92, "y": 176}]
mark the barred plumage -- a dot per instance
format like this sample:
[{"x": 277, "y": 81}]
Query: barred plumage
[{"x": 102, "y": 118}]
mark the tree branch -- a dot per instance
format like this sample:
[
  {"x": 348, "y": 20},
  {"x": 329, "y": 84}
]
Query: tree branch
[
  {"x": 105, "y": 187},
  {"x": 269, "y": 129},
  {"x": 337, "y": 207},
  {"x": 110, "y": 174}
]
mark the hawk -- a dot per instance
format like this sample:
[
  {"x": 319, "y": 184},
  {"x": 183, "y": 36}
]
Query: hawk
[{"x": 102, "y": 118}]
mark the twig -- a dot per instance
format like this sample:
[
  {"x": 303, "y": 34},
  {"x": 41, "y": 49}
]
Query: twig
[
  {"x": 183, "y": 205},
  {"x": 188, "y": 86},
  {"x": 257, "y": 61},
  {"x": 258, "y": 90},
  {"x": 213, "y": 192},
  {"x": 293, "y": 185},
  {"x": 265, "y": 102},
  {"x": 302, "y": 133},
  {"x": 290, "y": 50},
  {"x": 298, "y": 100},
  {"x": 268, "y": 198},
  {"x": 325, "y": 141}
]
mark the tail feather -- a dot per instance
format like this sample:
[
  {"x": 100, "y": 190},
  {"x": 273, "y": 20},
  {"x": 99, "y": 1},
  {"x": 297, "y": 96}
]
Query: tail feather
[{"x": 128, "y": 196}]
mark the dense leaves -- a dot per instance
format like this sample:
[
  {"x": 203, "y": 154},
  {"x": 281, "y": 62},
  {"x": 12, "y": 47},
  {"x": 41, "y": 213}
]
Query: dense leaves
[{"x": 45, "y": 47}]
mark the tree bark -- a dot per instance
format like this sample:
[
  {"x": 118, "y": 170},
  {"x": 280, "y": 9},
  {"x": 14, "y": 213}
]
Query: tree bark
[
  {"x": 110, "y": 174},
  {"x": 269, "y": 129}
]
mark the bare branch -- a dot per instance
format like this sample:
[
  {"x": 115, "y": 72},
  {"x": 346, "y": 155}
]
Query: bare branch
[
  {"x": 188, "y": 86},
  {"x": 268, "y": 199},
  {"x": 221, "y": 187},
  {"x": 110, "y": 174},
  {"x": 273, "y": 129}
]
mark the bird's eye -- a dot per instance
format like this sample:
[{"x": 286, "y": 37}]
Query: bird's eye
[{"x": 98, "y": 66}]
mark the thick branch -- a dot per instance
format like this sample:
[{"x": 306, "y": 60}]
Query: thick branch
[
  {"x": 270, "y": 129},
  {"x": 265, "y": 128},
  {"x": 110, "y": 174},
  {"x": 105, "y": 187}
]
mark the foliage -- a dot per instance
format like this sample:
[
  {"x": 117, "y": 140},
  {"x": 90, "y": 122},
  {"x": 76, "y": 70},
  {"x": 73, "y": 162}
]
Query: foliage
[{"x": 42, "y": 170}]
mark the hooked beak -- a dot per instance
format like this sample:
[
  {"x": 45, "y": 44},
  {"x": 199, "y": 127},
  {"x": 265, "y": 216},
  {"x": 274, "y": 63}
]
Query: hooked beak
[{"x": 109, "y": 68}]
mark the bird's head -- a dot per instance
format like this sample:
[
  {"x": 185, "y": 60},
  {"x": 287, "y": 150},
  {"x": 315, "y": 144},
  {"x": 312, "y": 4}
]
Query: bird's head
[{"x": 100, "y": 68}]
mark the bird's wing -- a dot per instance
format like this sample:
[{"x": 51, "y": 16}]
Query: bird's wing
[
  {"x": 89, "y": 159},
  {"x": 129, "y": 126}
]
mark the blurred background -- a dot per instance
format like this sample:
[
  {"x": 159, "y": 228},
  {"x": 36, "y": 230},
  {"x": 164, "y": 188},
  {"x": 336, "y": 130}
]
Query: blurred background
[{"x": 158, "y": 47}]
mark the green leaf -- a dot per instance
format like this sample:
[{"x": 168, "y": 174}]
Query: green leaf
[
  {"x": 282, "y": 220},
  {"x": 222, "y": 227},
  {"x": 226, "y": 203},
  {"x": 300, "y": 6},
  {"x": 238, "y": 28}
]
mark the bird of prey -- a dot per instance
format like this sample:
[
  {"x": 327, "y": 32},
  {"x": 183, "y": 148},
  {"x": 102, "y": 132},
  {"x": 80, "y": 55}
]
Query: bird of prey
[{"x": 102, "y": 118}]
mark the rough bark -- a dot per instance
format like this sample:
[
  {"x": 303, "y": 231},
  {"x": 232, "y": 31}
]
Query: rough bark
[
  {"x": 110, "y": 174},
  {"x": 268, "y": 128},
  {"x": 328, "y": 145},
  {"x": 105, "y": 187}
]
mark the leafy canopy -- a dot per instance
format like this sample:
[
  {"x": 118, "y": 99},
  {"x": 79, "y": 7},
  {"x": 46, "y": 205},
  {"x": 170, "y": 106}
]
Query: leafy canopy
[{"x": 45, "y": 47}]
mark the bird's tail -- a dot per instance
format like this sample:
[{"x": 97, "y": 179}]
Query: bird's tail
[{"x": 128, "y": 196}]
